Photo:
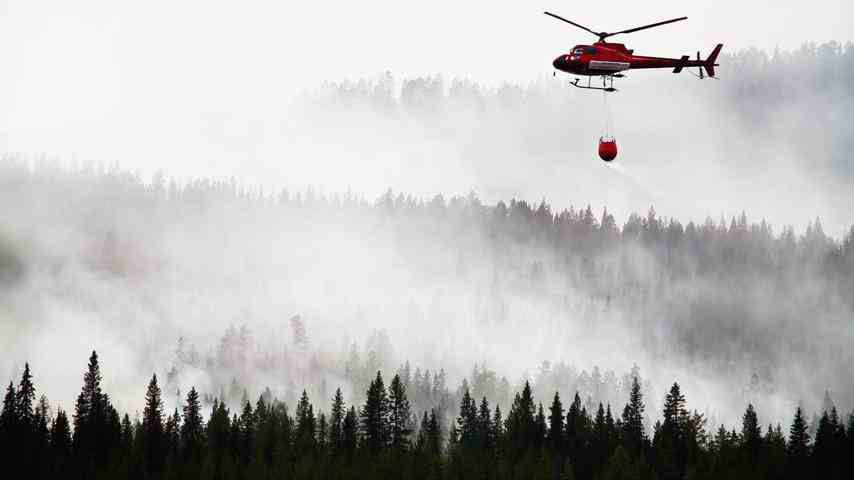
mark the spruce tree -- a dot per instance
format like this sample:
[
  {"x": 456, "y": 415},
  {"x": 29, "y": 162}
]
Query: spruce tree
[
  {"x": 9, "y": 427},
  {"x": 576, "y": 430},
  {"x": 350, "y": 432},
  {"x": 634, "y": 437},
  {"x": 336, "y": 422},
  {"x": 540, "y": 428},
  {"x": 172, "y": 434},
  {"x": 306, "y": 425},
  {"x": 827, "y": 446},
  {"x": 400, "y": 414},
  {"x": 89, "y": 440},
  {"x": 60, "y": 445},
  {"x": 798, "y": 448},
  {"x": 192, "y": 428},
  {"x": 247, "y": 435},
  {"x": 127, "y": 436},
  {"x": 600, "y": 437},
  {"x": 751, "y": 433},
  {"x": 556, "y": 429},
  {"x": 497, "y": 432},
  {"x": 25, "y": 398},
  {"x": 434, "y": 434},
  {"x": 374, "y": 416},
  {"x": 60, "y": 435},
  {"x": 671, "y": 443},
  {"x": 467, "y": 421},
  {"x": 217, "y": 432},
  {"x": 520, "y": 428},
  {"x": 41, "y": 428},
  {"x": 611, "y": 427},
  {"x": 322, "y": 433},
  {"x": 484, "y": 425},
  {"x": 153, "y": 441},
  {"x": 421, "y": 438}
]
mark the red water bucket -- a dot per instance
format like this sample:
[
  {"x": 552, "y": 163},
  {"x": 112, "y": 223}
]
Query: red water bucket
[{"x": 607, "y": 148}]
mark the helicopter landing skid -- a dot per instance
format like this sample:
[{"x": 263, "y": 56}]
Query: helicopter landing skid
[{"x": 605, "y": 87}]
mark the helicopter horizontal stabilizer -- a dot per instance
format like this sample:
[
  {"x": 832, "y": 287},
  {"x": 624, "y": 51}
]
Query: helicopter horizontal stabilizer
[{"x": 682, "y": 62}]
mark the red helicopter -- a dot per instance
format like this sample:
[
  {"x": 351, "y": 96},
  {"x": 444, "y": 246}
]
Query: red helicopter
[{"x": 609, "y": 59}]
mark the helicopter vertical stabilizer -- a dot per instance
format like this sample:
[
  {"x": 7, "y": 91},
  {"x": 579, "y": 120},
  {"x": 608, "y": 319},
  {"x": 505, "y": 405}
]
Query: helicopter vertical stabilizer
[{"x": 710, "y": 64}]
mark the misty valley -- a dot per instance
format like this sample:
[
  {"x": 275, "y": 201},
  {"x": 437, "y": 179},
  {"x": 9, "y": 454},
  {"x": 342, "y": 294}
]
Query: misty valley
[{"x": 306, "y": 335}]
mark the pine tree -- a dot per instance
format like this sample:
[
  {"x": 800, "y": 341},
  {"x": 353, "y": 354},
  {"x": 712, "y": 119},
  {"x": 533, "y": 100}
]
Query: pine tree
[
  {"x": 827, "y": 446},
  {"x": 60, "y": 435},
  {"x": 799, "y": 450},
  {"x": 519, "y": 426},
  {"x": 127, "y": 436},
  {"x": 218, "y": 434},
  {"x": 171, "y": 434},
  {"x": 434, "y": 434},
  {"x": 153, "y": 441},
  {"x": 247, "y": 433},
  {"x": 600, "y": 437},
  {"x": 322, "y": 433},
  {"x": 400, "y": 414},
  {"x": 611, "y": 427},
  {"x": 9, "y": 427},
  {"x": 421, "y": 438},
  {"x": 336, "y": 422},
  {"x": 540, "y": 428},
  {"x": 350, "y": 431},
  {"x": 90, "y": 439},
  {"x": 497, "y": 432},
  {"x": 671, "y": 440},
  {"x": 374, "y": 416},
  {"x": 306, "y": 425},
  {"x": 60, "y": 445},
  {"x": 751, "y": 433},
  {"x": 41, "y": 431},
  {"x": 556, "y": 429},
  {"x": 576, "y": 430},
  {"x": 192, "y": 428},
  {"x": 674, "y": 410},
  {"x": 484, "y": 425},
  {"x": 634, "y": 437},
  {"x": 25, "y": 398},
  {"x": 467, "y": 421}
]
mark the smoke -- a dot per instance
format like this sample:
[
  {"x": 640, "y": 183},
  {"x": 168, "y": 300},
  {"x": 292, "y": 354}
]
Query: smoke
[{"x": 128, "y": 263}]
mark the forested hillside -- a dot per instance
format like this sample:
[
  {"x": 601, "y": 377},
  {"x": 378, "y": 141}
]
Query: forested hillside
[
  {"x": 385, "y": 437},
  {"x": 313, "y": 290}
]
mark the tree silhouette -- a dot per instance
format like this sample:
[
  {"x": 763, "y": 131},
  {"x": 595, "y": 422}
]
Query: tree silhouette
[
  {"x": 192, "y": 427},
  {"x": 799, "y": 449},
  {"x": 153, "y": 439},
  {"x": 374, "y": 416}
]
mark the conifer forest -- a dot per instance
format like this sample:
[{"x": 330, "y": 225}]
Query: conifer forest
[
  {"x": 419, "y": 277},
  {"x": 297, "y": 399}
]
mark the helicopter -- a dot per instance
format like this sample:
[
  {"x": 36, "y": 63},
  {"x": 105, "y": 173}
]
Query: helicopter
[{"x": 608, "y": 60}]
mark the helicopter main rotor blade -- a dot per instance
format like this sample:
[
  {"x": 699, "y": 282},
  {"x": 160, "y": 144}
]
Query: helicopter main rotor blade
[
  {"x": 658, "y": 24},
  {"x": 572, "y": 23}
]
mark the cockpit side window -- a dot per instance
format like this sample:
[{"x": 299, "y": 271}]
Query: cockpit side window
[{"x": 590, "y": 50}]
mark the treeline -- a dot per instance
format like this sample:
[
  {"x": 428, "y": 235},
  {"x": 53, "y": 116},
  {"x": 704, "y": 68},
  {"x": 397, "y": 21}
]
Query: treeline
[{"x": 384, "y": 438}]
